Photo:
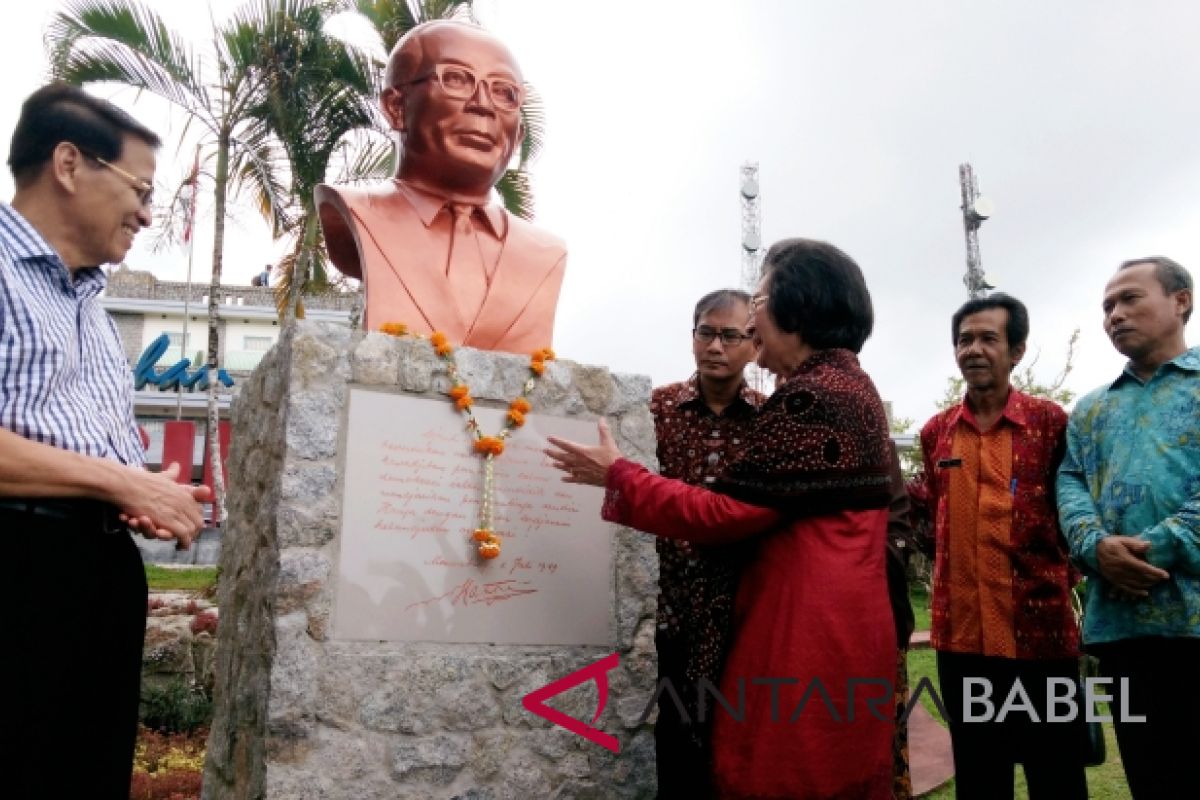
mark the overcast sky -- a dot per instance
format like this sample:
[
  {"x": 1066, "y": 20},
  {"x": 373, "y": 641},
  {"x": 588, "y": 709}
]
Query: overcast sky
[{"x": 1080, "y": 118}]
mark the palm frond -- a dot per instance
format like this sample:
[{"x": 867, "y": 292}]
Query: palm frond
[
  {"x": 257, "y": 168},
  {"x": 127, "y": 43},
  {"x": 365, "y": 157},
  {"x": 394, "y": 18},
  {"x": 303, "y": 271},
  {"x": 516, "y": 192},
  {"x": 533, "y": 117},
  {"x": 285, "y": 278}
]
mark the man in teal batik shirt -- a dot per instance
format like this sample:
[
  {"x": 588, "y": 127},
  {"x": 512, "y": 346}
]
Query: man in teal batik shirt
[{"x": 1129, "y": 504}]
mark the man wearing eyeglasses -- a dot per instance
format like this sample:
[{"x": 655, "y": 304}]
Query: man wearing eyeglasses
[
  {"x": 71, "y": 461},
  {"x": 701, "y": 425},
  {"x": 432, "y": 246}
]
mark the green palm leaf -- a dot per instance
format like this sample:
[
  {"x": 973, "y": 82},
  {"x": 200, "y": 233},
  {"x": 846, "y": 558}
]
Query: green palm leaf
[{"x": 125, "y": 43}]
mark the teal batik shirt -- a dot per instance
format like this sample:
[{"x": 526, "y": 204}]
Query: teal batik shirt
[{"x": 1132, "y": 468}]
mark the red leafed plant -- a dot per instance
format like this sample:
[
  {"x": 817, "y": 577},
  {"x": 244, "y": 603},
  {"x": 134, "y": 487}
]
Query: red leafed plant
[
  {"x": 204, "y": 622},
  {"x": 170, "y": 785}
]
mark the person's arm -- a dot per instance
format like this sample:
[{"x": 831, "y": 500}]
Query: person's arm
[
  {"x": 672, "y": 509},
  {"x": 664, "y": 507},
  {"x": 1120, "y": 560},
  {"x": 1175, "y": 541},
  {"x": 1077, "y": 513},
  {"x": 33, "y": 469},
  {"x": 921, "y": 499}
]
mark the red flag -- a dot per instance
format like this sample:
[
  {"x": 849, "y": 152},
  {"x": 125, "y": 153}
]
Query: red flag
[{"x": 189, "y": 210}]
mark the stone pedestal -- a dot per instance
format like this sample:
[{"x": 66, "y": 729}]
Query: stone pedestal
[{"x": 302, "y": 714}]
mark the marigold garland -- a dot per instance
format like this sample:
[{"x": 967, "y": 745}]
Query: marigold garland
[{"x": 488, "y": 447}]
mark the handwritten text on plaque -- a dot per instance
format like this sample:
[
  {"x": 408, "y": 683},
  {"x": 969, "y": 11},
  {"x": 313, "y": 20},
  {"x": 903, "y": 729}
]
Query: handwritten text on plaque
[{"x": 407, "y": 568}]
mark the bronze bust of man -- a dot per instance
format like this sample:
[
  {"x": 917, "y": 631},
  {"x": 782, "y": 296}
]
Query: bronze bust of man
[{"x": 432, "y": 247}]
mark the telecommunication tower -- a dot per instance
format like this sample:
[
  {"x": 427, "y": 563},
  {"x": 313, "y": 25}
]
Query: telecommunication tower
[
  {"x": 975, "y": 210},
  {"x": 751, "y": 226},
  {"x": 752, "y": 253}
]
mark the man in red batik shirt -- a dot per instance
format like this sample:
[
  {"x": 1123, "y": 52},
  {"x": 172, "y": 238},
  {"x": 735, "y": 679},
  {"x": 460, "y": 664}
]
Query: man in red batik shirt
[
  {"x": 701, "y": 424},
  {"x": 1001, "y": 588}
]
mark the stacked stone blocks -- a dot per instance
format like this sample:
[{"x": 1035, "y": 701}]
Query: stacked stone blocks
[{"x": 300, "y": 714}]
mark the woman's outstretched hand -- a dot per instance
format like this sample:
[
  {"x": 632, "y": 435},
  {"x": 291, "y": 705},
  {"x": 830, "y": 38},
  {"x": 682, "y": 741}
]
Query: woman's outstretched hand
[{"x": 581, "y": 463}]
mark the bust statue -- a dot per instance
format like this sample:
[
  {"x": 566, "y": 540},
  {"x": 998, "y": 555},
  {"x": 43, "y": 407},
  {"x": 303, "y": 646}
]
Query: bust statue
[{"x": 432, "y": 247}]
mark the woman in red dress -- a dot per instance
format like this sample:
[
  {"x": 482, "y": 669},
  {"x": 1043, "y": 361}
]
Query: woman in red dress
[{"x": 814, "y": 647}]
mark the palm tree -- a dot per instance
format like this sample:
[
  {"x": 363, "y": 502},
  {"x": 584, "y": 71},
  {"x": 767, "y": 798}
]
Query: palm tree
[
  {"x": 320, "y": 92},
  {"x": 124, "y": 42}
]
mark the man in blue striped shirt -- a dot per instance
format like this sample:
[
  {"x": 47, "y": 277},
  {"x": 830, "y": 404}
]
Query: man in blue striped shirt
[
  {"x": 71, "y": 466},
  {"x": 1129, "y": 502}
]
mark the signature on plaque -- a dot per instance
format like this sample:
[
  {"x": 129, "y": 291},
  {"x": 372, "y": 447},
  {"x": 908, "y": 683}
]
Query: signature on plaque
[{"x": 470, "y": 593}]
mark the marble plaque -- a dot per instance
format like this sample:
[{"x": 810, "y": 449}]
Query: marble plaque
[{"x": 407, "y": 569}]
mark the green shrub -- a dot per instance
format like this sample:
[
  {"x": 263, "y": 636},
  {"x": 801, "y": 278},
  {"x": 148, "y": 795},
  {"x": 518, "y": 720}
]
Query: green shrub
[{"x": 175, "y": 707}]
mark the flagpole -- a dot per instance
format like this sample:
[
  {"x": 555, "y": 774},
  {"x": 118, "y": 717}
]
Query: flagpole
[
  {"x": 187, "y": 296},
  {"x": 190, "y": 238}
]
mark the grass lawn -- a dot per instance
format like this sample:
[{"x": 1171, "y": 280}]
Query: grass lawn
[
  {"x": 1105, "y": 782},
  {"x": 187, "y": 579},
  {"x": 919, "y": 596}
]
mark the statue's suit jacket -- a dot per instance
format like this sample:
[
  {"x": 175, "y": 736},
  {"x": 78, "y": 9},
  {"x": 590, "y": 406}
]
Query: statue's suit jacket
[{"x": 402, "y": 263}]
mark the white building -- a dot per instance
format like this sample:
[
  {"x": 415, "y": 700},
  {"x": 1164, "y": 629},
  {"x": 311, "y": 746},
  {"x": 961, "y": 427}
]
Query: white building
[{"x": 144, "y": 308}]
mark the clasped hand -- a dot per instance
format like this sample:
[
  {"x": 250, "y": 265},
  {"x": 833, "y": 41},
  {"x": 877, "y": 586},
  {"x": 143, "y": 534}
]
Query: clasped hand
[
  {"x": 1122, "y": 562},
  {"x": 155, "y": 505}
]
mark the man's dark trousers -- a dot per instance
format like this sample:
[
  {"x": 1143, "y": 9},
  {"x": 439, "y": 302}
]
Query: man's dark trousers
[
  {"x": 74, "y": 600},
  {"x": 1159, "y": 754},
  {"x": 682, "y": 743}
]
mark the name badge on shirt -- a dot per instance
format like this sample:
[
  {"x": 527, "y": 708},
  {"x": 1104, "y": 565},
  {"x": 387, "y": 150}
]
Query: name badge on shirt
[{"x": 947, "y": 463}]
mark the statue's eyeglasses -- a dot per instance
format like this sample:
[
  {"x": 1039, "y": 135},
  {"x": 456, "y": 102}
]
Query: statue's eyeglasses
[
  {"x": 730, "y": 337},
  {"x": 144, "y": 189},
  {"x": 459, "y": 82}
]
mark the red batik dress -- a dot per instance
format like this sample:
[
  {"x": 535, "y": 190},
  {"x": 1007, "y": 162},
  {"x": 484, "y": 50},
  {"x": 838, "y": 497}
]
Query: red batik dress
[{"x": 814, "y": 645}]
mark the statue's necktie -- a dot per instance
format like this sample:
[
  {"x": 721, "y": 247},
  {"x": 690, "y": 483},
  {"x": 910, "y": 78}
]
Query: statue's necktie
[{"x": 464, "y": 268}]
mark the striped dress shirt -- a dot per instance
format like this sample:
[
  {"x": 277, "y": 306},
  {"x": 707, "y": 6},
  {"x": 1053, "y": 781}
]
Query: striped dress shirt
[{"x": 64, "y": 378}]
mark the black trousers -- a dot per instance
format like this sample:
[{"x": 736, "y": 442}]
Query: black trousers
[
  {"x": 682, "y": 743},
  {"x": 1159, "y": 755},
  {"x": 985, "y": 753},
  {"x": 73, "y": 595}
]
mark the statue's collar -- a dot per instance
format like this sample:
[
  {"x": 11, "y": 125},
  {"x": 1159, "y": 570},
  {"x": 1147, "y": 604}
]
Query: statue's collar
[{"x": 429, "y": 204}]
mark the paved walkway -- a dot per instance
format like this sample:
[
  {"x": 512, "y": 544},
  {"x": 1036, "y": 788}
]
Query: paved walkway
[{"x": 929, "y": 754}]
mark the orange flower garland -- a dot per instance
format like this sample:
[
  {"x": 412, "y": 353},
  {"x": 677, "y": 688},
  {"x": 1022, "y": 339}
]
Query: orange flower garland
[{"x": 488, "y": 447}]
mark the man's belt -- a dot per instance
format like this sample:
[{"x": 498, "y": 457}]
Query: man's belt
[{"x": 78, "y": 512}]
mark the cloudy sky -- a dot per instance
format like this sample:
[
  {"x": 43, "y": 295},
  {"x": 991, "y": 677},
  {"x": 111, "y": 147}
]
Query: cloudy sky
[{"x": 1079, "y": 116}]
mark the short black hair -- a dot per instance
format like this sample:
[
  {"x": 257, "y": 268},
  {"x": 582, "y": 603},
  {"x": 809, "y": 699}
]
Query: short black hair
[
  {"x": 719, "y": 300},
  {"x": 1016, "y": 330},
  {"x": 59, "y": 112},
  {"x": 818, "y": 292},
  {"x": 1170, "y": 274}
]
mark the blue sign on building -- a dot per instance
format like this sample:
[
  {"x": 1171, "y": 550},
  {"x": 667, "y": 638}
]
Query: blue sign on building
[{"x": 175, "y": 376}]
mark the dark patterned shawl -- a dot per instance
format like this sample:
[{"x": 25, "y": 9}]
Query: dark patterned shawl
[{"x": 820, "y": 444}]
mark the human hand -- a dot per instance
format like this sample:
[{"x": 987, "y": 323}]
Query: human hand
[
  {"x": 584, "y": 464},
  {"x": 1122, "y": 562},
  {"x": 156, "y": 506}
]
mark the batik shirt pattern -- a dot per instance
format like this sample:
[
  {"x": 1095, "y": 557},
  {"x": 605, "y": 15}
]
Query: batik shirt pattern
[
  {"x": 1132, "y": 468},
  {"x": 697, "y": 584}
]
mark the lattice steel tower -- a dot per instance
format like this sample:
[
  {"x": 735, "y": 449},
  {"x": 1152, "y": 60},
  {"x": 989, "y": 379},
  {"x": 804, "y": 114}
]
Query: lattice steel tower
[
  {"x": 751, "y": 226},
  {"x": 752, "y": 252},
  {"x": 975, "y": 210}
]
